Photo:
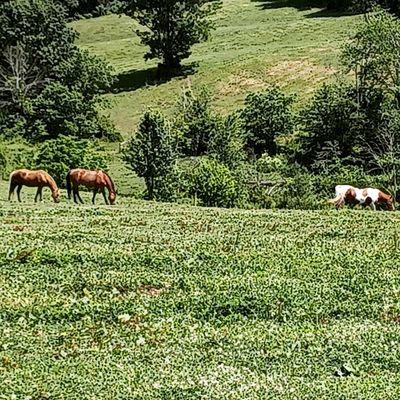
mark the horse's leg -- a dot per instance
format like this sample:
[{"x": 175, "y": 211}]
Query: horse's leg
[
  {"x": 11, "y": 192},
  {"x": 19, "y": 192},
  {"x": 94, "y": 196},
  {"x": 41, "y": 194},
  {"x": 38, "y": 194},
  {"x": 79, "y": 196},
  {"x": 103, "y": 191},
  {"x": 75, "y": 191},
  {"x": 373, "y": 206}
]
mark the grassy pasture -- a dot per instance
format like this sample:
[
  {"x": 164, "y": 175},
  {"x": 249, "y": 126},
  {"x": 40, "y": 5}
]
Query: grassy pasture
[
  {"x": 160, "y": 301},
  {"x": 256, "y": 43}
]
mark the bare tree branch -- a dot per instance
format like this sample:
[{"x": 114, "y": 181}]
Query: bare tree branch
[{"x": 20, "y": 77}]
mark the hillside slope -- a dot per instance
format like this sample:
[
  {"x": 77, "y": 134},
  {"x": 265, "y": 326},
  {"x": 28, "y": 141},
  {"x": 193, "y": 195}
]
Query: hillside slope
[
  {"x": 158, "y": 301},
  {"x": 256, "y": 43}
]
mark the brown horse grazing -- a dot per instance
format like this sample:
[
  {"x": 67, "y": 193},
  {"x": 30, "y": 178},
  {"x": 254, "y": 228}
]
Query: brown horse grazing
[
  {"x": 39, "y": 179},
  {"x": 96, "y": 180}
]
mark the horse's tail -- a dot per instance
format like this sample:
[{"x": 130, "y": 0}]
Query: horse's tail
[
  {"x": 337, "y": 200},
  {"x": 10, "y": 181},
  {"x": 69, "y": 187}
]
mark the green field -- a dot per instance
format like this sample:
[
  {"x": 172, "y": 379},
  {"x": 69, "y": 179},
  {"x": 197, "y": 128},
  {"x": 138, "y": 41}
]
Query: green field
[
  {"x": 256, "y": 43},
  {"x": 160, "y": 301}
]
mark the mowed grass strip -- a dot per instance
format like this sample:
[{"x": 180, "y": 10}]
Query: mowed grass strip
[{"x": 152, "y": 301}]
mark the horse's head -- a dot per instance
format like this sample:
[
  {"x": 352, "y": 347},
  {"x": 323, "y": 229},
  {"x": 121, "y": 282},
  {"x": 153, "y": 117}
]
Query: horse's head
[
  {"x": 390, "y": 203},
  {"x": 111, "y": 197},
  {"x": 56, "y": 195}
]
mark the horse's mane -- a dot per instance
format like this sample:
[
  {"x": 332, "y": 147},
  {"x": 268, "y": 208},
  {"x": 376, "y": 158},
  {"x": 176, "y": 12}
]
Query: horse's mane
[{"x": 111, "y": 181}]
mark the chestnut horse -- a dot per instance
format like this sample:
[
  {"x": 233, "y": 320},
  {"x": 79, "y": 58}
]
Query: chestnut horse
[
  {"x": 96, "y": 180},
  {"x": 39, "y": 179},
  {"x": 366, "y": 197}
]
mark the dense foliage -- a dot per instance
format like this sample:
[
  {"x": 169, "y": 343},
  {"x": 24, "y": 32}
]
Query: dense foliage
[
  {"x": 58, "y": 156},
  {"x": 172, "y": 27},
  {"x": 214, "y": 184},
  {"x": 266, "y": 117},
  {"x": 151, "y": 153},
  {"x": 196, "y": 121},
  {"x": 48, "y": 86},
  {"x": 328, "y": 121},
  {"x": 364, "y": 5}
]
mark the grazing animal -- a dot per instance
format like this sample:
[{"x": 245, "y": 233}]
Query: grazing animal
[
  {"x": 39, "y": 179},
  {"x": 366, "y": 197},
  {"x": 96, "y": 180}
]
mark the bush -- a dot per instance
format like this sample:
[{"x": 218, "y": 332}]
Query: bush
[
  {"x": 266, "y": 116},
  {"x": 328, "y": 122},
  {"x": 214, "y": 184},
  {"x": 226, "y": 143},
  {"x": 58, "y": 156},
  {"x": 282, "y": 184},
  {"x": 196, "y": 122},
  {"x": 336, "y": 124}
]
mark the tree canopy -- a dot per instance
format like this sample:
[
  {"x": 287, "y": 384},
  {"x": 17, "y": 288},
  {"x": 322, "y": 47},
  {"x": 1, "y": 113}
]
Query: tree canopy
[
  {"x": 172, "y": 27},
  {"x": 45, "y": 77}
]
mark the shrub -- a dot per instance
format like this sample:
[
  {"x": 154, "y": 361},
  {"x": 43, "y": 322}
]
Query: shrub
[
  {"x": 151, "y": 153},
  {"x": 196, "y": 122},
  {"x": 58, "y": 156},
  {"x": 214, "y": 184},
  {"x": 328, "y": 121},
  {"x": 226, "y": 142},
  {"x": 266, "y": 116},
  {"x": 336, "y": 124}
]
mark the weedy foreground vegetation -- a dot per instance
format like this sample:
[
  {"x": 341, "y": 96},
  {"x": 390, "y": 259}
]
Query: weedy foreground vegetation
[{"x": 150, "y": 300}]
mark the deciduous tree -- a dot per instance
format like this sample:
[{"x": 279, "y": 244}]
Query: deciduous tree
[{"x": 172, "y": 27}]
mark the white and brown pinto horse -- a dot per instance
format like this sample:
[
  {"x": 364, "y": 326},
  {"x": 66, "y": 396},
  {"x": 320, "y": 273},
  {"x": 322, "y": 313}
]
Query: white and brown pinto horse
[{"x": 346, "y": 194}]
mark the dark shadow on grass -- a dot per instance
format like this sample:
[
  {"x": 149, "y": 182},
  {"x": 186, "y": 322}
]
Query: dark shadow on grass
[
  {"x": 136, "y": 79},
  {"x": 325, "y": 13},
  {"x": 303, "y": 5}
]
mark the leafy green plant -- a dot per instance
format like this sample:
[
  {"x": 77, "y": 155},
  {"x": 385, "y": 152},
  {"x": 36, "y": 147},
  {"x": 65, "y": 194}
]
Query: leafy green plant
[
  {"x": 214, "y": 184},
  {"x": 58, "y": 156},
  {"x": 195, "y": 121},
  {"x": 327, "y": 121},
  {"x": 67, "y": 112},
  {"x": 266, "y": 116},
  {"x": 46, "y": 80},
  {"x": 226, "y": 143},
  {"x": 151, "y": 153}
]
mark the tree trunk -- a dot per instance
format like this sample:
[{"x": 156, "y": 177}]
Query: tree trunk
[
  {"x": 150, "y": 187},
  {"x": 170, "y": 65}
]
